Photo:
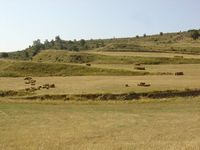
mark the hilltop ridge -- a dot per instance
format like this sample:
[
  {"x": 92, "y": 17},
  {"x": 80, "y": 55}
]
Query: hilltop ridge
[{"x": 180, "y": 42}]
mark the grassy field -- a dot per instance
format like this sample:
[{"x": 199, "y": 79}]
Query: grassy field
[
  {"x": 23, "y": 68},
  {"x": 95, "y": 124},
  {"x": 114, "y": 84},
  {"x": 171, "y": 125},
  {"x": 61, "y": 56},
  {"x": 144, "y": 54},
  {"x": 104, "y": 84}
]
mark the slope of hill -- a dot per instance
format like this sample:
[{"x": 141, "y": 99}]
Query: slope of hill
[
  {"x": 180, "y": 42},
  {"x": 61, "y": 56},
  {"x": 22, "y": 68}
]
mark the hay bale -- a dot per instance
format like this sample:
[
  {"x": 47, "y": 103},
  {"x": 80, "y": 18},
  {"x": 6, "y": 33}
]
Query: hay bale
[
  {"x": 88, "y": 65},
  {"x": 27, "y": 82},
  {"x": 178, "y": 57},
  {"x": 140, "y": 68},
  {"x": 28, "y": 78},
  {"x": 126, "y": 85},
  {"x": 27, "y": 89},
  {"x": 143, "y": 84},
  {"x": 137, "y": 64},
  {"x": 39, "y": 87},
  {"x": 179, "y": 74},
  {"x": 52, "y": 86},
  {"x": 33, "y": 81},
  {"x": 46, "y": 86}
]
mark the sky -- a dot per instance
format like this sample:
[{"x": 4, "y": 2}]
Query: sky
[{"x": 23, "y": 21}]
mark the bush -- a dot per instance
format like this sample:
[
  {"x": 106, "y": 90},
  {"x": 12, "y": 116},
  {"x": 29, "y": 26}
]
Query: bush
[
  {"x": 4, "y": 55},
  {"x": 195, "y": 35}
]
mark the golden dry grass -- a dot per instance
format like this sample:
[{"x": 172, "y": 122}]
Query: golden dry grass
[
  {"x": 169, "y": 125},
  {"x": 114, "y": 84},
  {"x": 144, "y": 54},
  {"x": 108, "y": 84}
]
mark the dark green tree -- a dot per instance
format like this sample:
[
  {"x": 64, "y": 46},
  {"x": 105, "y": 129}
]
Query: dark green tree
[
  {"x": 4, "y": 55},
  {"x": 195, "y": 34},
  {"x": 82, "y": 42}
]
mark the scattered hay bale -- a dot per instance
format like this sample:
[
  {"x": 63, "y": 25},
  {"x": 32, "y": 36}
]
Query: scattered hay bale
[
  {"x": 140, "y": 68},
  {"x": 147, "y": 85},
  {"x": 137, "y": 64},
  {"x": 27, "y": 82},
  {"x": 143, "y": 84},
  {"x": 33, "y": 89},
  {"x": 178, "y": 57},
  {"x": 48, "y": 86},
  {"x": 39, "y": 87},
  {"x": 126, "y": 85},
  {"x": 33, "y": 81},
  {"x": 28, "y": 78},
  {"x": 45, "y": 86},
  {"x": 27, "y": 89},
  {"x": 179, "y": 74},
  {"x": 52, "y": 86},
  {"x": 89, "y": 65}
]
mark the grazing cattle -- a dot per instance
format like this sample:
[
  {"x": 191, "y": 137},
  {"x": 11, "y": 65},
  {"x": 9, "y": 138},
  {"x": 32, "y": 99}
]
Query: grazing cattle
[{"x": 179, "y": 74}]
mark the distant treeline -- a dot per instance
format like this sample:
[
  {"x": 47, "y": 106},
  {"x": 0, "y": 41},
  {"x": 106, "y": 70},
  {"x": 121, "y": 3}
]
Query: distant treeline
[
  {"x": 57, "y": 44},
  {"x": 122, "y": 44}
]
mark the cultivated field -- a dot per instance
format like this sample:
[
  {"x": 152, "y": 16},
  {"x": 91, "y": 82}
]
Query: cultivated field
[{"x": 149, "y": 125}]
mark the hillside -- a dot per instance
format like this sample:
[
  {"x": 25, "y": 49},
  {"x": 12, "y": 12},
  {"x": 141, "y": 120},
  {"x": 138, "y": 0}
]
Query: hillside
[
  {"x": 180, "y": 42},
  {"x": 22, "y": 69},
  {"x": 61, "y": 56}
]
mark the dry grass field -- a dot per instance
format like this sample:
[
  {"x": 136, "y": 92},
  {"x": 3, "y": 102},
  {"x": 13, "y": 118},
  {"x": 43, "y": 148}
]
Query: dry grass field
[
  {"x": 106, "y": 84},
  {"x": 74, "y": 124},
  {"x": 144, "y": 54},
  {"x": 114, "y": 84},
  {"x": 145, "y": 125}
]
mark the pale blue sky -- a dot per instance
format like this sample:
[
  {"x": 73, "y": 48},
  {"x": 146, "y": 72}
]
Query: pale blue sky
[{"x": 22, "y": 21}]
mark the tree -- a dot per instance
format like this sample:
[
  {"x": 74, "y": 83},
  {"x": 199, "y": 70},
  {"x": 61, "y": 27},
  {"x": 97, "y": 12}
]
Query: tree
[
  {"x": 37, "y": 42},
  {"x": 82, "y": 42},
  {"x": 4, "y": 55},
  {"x": 145, "y": 35},
  {"x": 57, "y": 38},
  {"x": 161, "y": 33},
  {"x": 195, "y": 34}
]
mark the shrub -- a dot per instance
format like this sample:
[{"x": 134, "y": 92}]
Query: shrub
[{"x": 195, "y": 35}]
